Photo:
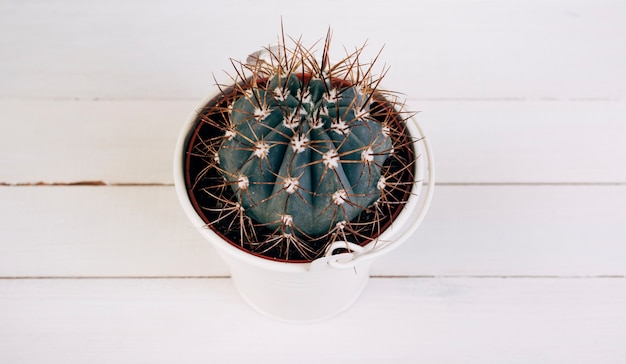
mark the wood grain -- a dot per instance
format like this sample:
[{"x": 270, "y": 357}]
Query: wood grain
[
  {"x": 101, "y": 231},
  {"x": 395, "y": 321},
  {"x": 520, "y": 260},
  {"x": 454, "y": 49},
  {"x": 133, "y": 142}
]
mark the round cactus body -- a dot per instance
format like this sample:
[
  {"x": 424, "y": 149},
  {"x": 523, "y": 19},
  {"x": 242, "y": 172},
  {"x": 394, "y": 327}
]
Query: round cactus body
[
  {"x": 303, "y": 155},
  {"x": 296, "y": 154}
]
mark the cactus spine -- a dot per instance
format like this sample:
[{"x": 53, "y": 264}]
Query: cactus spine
[{"x": 304, "y": 154}]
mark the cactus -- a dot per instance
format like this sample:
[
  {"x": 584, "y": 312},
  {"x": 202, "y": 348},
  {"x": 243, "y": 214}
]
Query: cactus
[
  {"x": 299, "y": 154},
  {"x": 304, "y": 154}
]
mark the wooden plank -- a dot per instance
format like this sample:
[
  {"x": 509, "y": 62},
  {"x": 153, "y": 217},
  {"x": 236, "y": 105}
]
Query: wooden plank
[
  {"x": 470, "y": 231},
  {"x": 474, "y": 142},
  {"x": 108, "y": 142},
  {"x": 518, "y": 230},
  {"x": 455, "y": 49},
  {"x": 395, "y": 321},
  {"x": 527, "y": 142},
  {"x": 100, "y": 231}
]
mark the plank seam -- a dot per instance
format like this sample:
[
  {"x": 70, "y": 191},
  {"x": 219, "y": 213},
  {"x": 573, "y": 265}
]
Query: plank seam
[
  {"x": 373, "y": 276},
  {"x": 409, "y": 99},
  {"x": 165, "y": 184}
]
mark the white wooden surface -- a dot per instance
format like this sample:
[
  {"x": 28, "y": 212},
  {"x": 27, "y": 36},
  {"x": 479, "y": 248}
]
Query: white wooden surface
[{"x": 521, "y": 259}]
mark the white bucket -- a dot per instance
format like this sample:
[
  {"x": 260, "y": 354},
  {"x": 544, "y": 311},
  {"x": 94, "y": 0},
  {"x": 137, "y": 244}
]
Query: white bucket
[{"x": 307, "y": 292}]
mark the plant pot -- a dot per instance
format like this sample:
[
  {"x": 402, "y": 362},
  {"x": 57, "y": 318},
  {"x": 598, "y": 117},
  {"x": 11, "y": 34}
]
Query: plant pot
[{"x": 315, "y": 290}]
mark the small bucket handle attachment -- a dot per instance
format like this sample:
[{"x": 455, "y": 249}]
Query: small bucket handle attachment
[{"x": 355, "y": 253}]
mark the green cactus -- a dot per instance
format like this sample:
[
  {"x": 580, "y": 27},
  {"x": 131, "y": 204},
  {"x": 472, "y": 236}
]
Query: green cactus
[
  {"x": 299, "y": 154},
  {"x": 304, "y": 156}
]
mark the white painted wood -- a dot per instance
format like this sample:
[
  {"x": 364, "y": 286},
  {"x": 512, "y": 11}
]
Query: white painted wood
[
  {"x": 69, "y": 141},
  {"x": 518, "y": 93},
  {"x": 474, "y": 142},
  {"x": 470, "y": 231},
  {"x": 527, "y": 142},
  {"x": 100, "y": 231},
  {"x": 451, "y": 49},
  {"x": 518, "y": 230},
  {"x": 395, "y": 321}
]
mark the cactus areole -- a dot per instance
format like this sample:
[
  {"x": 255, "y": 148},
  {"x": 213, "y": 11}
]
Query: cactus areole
[{"x": 299, "y": 154}]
